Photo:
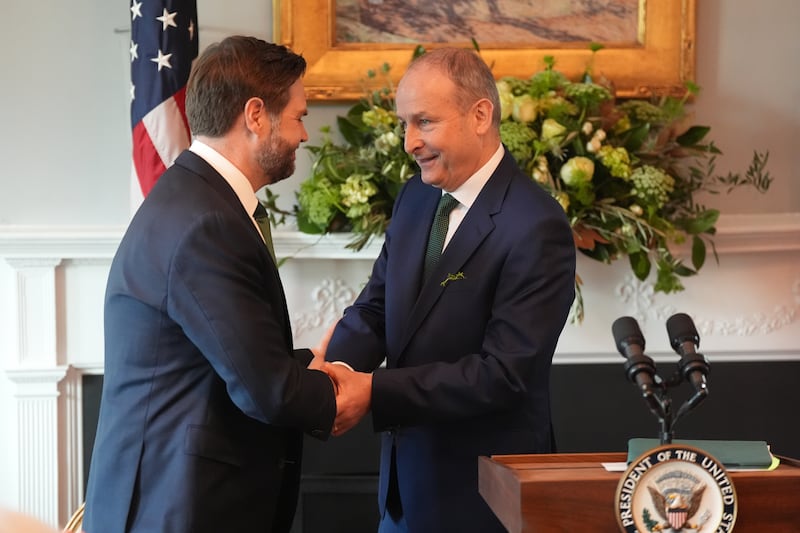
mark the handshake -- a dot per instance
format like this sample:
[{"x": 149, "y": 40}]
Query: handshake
[{"x": 353, "y": 389}]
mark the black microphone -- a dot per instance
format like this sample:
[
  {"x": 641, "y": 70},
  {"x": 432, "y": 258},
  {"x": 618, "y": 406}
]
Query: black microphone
[
  {"x": 638, "y": 367},
  {"x": 684, "y": 340}
]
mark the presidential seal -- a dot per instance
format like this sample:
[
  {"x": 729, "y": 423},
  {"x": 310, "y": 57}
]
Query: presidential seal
[{"x": 676, "y": 488}]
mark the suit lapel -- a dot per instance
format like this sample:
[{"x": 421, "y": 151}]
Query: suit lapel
[
  {"x": 473, "y": 230},
  {"x": 198, "y": 166},
  {"x": 408, "y": 240}
]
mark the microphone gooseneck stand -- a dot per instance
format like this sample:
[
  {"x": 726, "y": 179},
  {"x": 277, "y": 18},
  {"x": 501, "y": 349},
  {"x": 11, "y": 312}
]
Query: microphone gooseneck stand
[{"x": 641, "y": 370}]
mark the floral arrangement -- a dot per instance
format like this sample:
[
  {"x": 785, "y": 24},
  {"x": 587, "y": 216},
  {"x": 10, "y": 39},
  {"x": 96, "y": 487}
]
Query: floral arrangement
[
  {"x": 352, "y": 186},
  {"x": 626, "y": 172}
]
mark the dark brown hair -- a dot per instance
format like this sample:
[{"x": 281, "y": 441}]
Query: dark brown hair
[{"x": 232, "y": 71}]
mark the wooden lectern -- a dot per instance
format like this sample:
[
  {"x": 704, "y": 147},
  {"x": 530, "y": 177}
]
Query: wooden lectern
[{"x": 573, "y": 492}]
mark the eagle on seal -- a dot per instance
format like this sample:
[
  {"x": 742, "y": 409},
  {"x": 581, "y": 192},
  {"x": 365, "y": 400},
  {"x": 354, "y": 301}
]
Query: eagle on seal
[{"x": 676, "y": 507}]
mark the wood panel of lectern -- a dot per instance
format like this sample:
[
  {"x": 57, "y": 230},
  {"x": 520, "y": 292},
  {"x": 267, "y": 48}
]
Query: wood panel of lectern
[{"x": 574, "y": 492}]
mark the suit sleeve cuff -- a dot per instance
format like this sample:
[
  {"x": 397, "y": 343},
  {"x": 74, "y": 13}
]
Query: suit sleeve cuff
[
  {"x": 304, "y": 355},
  {"x": 343, "y": 364}
]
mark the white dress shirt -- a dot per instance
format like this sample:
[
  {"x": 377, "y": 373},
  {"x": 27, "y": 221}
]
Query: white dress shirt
[{"x": 469, "y": 191}]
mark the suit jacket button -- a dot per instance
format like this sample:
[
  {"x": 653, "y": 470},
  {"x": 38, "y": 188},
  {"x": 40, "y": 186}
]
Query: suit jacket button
[{"x": 317, "y": 433}]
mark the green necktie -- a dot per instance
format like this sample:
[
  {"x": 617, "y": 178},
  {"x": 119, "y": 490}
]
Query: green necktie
[
  {"x": 262, "y": 219},
  {"x": 438, "y": 232}
]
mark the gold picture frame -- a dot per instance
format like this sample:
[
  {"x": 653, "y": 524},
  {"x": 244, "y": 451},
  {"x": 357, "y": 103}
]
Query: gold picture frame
[{"x": 661, "y": 64}]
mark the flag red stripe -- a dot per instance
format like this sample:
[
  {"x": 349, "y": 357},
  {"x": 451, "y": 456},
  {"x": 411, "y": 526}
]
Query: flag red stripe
[
  {"x": 161, "y": 60},
  {"x": 146, "y": 159}
]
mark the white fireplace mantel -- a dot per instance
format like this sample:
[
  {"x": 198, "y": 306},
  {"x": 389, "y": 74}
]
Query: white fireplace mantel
[
  {"x": 735, "y": 233},
  {"x": 52, "y": 279}
]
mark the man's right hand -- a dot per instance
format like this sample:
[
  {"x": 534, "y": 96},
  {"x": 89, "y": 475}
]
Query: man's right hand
[{"x": 353, "y": 396}]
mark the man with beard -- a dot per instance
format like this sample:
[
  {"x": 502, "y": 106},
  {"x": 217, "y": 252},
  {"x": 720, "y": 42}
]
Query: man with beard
[{"x": 205, "y": 400}]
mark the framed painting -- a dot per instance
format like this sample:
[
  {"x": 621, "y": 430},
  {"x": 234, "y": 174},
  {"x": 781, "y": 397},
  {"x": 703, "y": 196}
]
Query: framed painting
[{"x": 648, "y": 46}]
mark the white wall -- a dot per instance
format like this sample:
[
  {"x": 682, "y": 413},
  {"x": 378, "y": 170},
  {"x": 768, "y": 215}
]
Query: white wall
[
  {"x": 64, "y": 162},
  {"x": 748, "y": 67},
  {"x": 65, "y": 124}
]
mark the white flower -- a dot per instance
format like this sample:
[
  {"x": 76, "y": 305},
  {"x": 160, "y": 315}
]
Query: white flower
[
  {"x": 506, "y": 99},
  {"x": 552, "y": 130},
  {"x": 593, "y": 146},
  {"x": 386, "y": 141},
  {"x": 577, "y": 170},
  {"x": 357, "y": 189},
  {"x": 524, "y": 109}
]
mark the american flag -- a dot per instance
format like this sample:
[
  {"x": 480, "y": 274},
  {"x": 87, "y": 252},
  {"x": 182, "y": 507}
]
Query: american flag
[{"x": 163, "y": 45}]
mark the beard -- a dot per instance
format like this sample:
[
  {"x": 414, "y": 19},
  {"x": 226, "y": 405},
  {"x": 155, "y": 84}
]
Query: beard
[{"x": 276, "y": 157}]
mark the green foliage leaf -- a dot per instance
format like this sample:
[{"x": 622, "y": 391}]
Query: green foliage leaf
[
  {"x": 692, "y": 88},
  {"x": 682, "y": 270},
  {"x": 698, "y": 252},
  {"x": 635, "y": 137},
  {"x": 702, "y": 222},
  {"x": 306, "y": 226},
  {"x": 667, "y": 281},
  {"x": 693, "y": 135},
  {"x": 640, "y": 264},
  {"x": 350, "y": 132}
]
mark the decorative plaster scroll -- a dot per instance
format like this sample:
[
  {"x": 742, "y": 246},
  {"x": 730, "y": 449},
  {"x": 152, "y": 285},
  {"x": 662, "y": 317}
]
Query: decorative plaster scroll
[
  {"x": 329, "y": 299},
  {"x": 641, "y": 297},
  {"x": 757, "y": 323}
]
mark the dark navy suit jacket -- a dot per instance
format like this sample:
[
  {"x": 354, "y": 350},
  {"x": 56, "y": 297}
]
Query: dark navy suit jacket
[
  {"x": 204, "y": 400},
  {"x": 468, "y": 359}
]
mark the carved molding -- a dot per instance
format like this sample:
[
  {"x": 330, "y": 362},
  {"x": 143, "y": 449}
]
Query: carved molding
[
  {"x": 36, "y": 382},
  {"x": 758, "y": 323},
  {"x": 34, "y": 300},
  {"x": 59, "y": 241},
  {"x": 91, "y": 262},
  {"x": 38, "y": 443},
  {"x": 640, "y": 297},
  {"x": 735, "y": 234},
  {"x": 71, "y": 450},
  {"x": 328, "y": 300}
]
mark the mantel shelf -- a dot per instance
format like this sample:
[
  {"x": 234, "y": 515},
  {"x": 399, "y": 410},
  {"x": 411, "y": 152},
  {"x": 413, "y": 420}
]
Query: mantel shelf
[{"x": 735, "y": 234}]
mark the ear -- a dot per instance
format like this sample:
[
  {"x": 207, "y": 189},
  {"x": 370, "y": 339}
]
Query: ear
[
  {"x": 482, "y": 112},
  {"x": 256, "y": 117}
]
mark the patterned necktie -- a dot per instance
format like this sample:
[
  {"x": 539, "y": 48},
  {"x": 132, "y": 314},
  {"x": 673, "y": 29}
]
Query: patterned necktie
[
  {"x": 438, "y": 232},
  {"x": 262, "y": 219}
]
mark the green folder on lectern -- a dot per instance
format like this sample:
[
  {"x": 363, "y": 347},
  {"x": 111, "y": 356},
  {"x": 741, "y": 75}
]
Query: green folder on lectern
[{"x": 731, "y": 453}]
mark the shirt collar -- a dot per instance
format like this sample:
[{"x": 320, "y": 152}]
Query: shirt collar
[
  {"x": 470, "y": 189},
  {"x": 238, "y": 182}
]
